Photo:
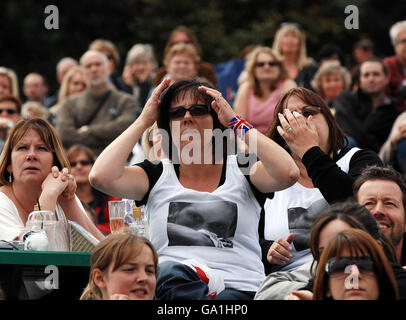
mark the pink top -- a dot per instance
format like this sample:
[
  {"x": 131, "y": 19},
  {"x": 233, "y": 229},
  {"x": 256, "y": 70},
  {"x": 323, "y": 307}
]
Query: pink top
[{"x": 260, "y": 113}]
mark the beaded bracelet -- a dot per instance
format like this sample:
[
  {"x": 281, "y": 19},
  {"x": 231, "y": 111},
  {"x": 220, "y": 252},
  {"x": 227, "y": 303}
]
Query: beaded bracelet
[{"x": 240, "y": 126}]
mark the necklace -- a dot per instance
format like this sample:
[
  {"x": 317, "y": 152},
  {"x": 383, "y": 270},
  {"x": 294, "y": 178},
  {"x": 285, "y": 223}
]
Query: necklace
[{"x": 18, "y": 201}]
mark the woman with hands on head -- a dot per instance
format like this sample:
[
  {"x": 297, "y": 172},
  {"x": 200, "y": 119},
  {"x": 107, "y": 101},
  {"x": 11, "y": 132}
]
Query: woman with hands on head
[
  {"x": 35, "y": 170},
  {"x": 306, "y": 128},
  {"x": 194, "y": 173}
]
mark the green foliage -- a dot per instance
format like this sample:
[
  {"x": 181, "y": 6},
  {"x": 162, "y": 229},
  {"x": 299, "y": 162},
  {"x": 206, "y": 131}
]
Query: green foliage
[{"x": 223, "y": 28}]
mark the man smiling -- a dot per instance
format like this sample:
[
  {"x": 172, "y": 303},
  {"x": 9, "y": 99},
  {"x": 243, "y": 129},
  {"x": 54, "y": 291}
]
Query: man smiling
[{"x": 383, "y": 192}]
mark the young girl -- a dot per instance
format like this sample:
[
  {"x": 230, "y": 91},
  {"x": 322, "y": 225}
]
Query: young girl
[{"x": 123, "y": 267}]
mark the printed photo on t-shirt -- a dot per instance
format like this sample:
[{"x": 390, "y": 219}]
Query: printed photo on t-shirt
[
  {"x": 301, "y": 221},
  {"x": 210, "y": 224}
]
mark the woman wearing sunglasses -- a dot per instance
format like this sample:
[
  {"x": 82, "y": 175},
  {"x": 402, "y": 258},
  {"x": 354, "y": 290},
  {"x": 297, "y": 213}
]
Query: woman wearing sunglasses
[
  {"x": 306, "y": 128},
  {"x": 203, "y": 208},
  {"x": 81, "y": 159},
  {"x": 353, "y": 266},
  {"x": 267, "y": 80},
  {"x": 10, "y": 112}
]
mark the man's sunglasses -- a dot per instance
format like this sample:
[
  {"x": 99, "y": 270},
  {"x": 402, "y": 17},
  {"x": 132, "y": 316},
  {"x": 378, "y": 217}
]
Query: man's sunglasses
[
  {"x": 82, "y": 162},
  {"x": 9, "y": 111},
  {"x": 341, "y": 267},
  {"x": 195, "y": 110}
]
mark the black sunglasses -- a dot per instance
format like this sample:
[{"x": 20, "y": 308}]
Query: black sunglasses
[
  {"x": 195, "y": 110},
  {"x": 340, "y": 268},
  {"x": 9, "y": 111},
  {"x": 269, "y": 63},
  {"x": 82, "y": 162}
]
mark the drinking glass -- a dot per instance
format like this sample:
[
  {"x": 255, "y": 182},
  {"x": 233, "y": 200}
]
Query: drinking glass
[{"x": 116, "y": 215}]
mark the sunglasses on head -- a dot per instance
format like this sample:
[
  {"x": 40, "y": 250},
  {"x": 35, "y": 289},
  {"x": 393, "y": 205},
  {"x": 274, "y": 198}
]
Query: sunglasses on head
[
  {"x": 9, "y": 111},
  {"x": 342, "y": 266},
  {"x": 82, "y": 162},
  {"x": 195, "y": 110},
  {"x": 269, "y": 63}
]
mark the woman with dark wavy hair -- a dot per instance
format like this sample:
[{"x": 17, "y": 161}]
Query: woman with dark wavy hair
[
  {"x": 203, "y": 205},
  {"x": 306, "y": 128}
]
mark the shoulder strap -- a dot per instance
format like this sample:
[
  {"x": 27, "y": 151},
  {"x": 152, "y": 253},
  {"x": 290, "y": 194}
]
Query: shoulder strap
[{"x": 96, "y": 111}]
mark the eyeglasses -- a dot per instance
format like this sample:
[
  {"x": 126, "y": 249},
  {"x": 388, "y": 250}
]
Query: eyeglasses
[
  {"x": 195, "y": 110},
  {"x": 269, "y": 63},
  {"x": 9, "y": 111},
  {"x": 340, "y": 268},
  {"x": 82, "y": 162}
]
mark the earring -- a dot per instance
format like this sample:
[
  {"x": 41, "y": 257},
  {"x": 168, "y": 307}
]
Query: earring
[{"x": 10, "y": 177}]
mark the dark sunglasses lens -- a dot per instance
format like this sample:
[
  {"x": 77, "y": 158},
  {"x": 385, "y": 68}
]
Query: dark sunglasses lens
[
  {"x": 340, "y": 267},
  {"x": 199, "y": 110},
  {"x": 175, "y": 113},
  {"x": 9, "y": 111}
]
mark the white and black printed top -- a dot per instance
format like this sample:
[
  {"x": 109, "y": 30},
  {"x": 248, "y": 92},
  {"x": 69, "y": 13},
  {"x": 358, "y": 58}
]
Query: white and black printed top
[
  {"x": 295, "y": 209},
  {"x": 218, "y": 228}
]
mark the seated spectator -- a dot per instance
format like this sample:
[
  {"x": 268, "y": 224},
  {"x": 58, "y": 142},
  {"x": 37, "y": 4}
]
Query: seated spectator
[
  {"x": 367, "y": 116},
  {"x": 377, "y": 187},
  {"x": 290, "y": 43},
  {"x": 330, "y": 80},
  {"x": 34, "y": 170},
  {"x": 184, "y": 35},
  {"x": 225, "y": 263},
  {"x": 267, "y": 81},
  {"x": 122, "y": 267},
  {"x": 306, "y": 128},
  {"x": 109, "y": 49},
  {"x": 36, "y": 89},
  {"x": 363, "y": 50},
  {"x": 81, "y": 160},
  {"x": 396, "y": 64},
  {"x": 298, "y": 284},
  {"x": 8, "y": 82},
  {"x": 72, "y": 83},
  {"x": 10, "y": 108},
  {"x": 353, "y": 254},
  {"x": 139, "y": 71},
  {"x": 95, "y": 117}
]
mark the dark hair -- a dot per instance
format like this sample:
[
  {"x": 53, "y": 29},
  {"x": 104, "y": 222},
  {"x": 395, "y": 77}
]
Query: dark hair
[
  {"x": 358, "y": 242},
  {"x": 189, "y": 33},
  {"x": 178, "y": 91},
  {"x": 380, "y": 173},
  {"x": 329, "y": 49},
  {"x": 337, "y": 138},
  {"x": 378, "y": 60}
]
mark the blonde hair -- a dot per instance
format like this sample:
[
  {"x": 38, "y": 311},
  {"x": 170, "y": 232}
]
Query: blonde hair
[
  {"x": 302, "y": 59},
  {"x": 63, "y": 92},
  {"x": 32, "y": 109},
  {"x": 114, "y": 251},
  {"x": 329, "y": 68},
  {"x": 188, "y": 49},
  {"x": 106, "y": 45},
  {"x": 12, "y": 77},
  {"x": 250, "y": 68}
]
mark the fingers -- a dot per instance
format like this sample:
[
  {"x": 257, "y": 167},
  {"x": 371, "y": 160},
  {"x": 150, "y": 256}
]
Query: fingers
[
  {"x": 302, "y": 295},
  {"x": 279, "y": 252},
  {"x": 160, "y": 88}
]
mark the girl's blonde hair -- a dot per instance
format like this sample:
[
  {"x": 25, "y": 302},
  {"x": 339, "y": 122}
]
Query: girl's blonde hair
[{"x": 114, "y": 251}]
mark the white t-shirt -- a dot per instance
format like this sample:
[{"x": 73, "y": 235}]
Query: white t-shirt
[
  {"x": 294, "y": 210},
  {"x": 218, "y": 228},
  {"x": 11, "y": 225}
]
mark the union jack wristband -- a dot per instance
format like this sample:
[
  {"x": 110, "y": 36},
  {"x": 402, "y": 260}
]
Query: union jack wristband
[{"x": 240, "y": 126}]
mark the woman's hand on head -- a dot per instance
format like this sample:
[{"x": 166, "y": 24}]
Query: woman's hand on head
[
  {"x": 299, "y": 133},
  {"x": 220, "y": 105},
  {"x": 149, "y": 113}
]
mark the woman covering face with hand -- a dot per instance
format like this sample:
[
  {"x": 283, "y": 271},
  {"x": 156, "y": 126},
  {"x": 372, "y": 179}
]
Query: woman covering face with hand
[
  {"x": 226, "y": 261},
  {"x": 306, "y": 128},
  {"x": 34, "y": 170}
]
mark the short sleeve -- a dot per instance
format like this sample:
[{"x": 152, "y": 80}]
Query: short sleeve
[{"x": 153, "y": 171}]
